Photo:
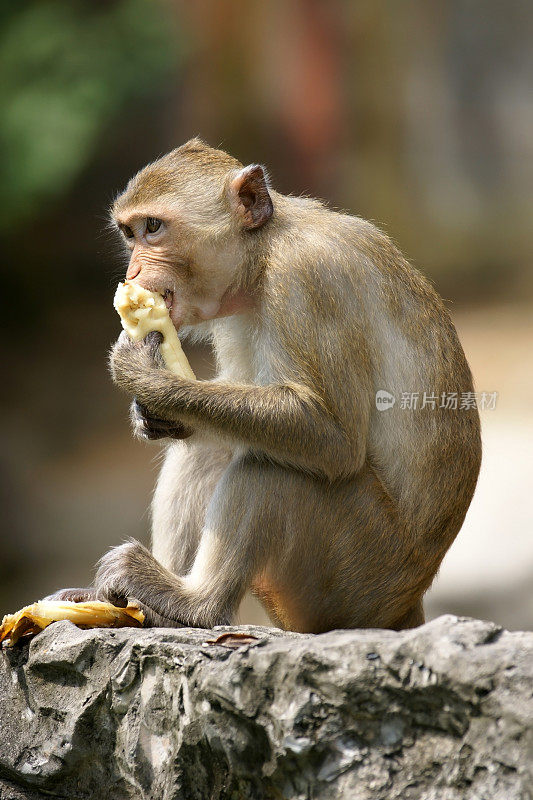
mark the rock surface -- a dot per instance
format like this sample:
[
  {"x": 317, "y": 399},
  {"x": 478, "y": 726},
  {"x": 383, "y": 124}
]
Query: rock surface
[{"x": 443, "y": 712}]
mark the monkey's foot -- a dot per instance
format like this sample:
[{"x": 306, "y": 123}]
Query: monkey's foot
[
  {"x": 33, "y": 619},
  {"x": 130, "y": 572}
]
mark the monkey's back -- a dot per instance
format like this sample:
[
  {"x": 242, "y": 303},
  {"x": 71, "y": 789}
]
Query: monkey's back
[
  {"x": 427, "y": 445},
  {"x": 368, "y": 323}
]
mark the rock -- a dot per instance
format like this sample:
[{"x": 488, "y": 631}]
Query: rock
[{"x": 443, "y": 712}]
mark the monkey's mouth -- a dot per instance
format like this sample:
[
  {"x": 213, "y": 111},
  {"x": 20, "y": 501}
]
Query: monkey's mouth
[{"x": 175, "y": 317}]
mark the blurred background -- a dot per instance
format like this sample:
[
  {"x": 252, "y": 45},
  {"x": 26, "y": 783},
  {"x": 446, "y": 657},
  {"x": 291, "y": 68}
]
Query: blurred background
[{"x": 416, "y": 115}]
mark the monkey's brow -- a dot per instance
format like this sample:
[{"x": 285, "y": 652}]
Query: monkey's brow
[{"x": 131, "y": 218}]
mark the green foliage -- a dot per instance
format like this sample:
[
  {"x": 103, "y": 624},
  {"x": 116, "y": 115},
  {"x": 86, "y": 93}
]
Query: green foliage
[{"x": 67, "y": 69}]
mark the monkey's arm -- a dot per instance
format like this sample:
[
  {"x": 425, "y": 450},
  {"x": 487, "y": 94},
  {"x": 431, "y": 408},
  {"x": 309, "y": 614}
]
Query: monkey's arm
[{"x": 287, "y": 421}]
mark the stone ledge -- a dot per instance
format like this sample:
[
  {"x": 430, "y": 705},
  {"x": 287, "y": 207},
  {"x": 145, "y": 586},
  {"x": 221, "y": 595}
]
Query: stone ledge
[{"x": 443, "y": 712}]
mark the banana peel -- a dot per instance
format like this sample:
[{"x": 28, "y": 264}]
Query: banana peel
[{"x": 95, "y": 614}]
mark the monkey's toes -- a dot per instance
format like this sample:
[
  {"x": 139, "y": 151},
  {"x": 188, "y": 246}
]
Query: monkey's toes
[
  {"x": 116, "y": 599},
  {"x": 118, "y": 569},
  {"x": 81, "y": 595}
]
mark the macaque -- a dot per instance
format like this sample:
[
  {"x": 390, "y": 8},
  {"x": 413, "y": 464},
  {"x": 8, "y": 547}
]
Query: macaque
[{"x": 284, "y": 474}]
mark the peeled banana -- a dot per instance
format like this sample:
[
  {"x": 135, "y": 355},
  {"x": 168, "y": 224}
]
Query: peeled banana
[{"x": 141, "y": 312}]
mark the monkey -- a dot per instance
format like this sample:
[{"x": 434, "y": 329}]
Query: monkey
[{"x": 283, "y": 474}]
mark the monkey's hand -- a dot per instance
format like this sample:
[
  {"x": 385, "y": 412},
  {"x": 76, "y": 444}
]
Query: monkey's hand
[
  {"x": 134, "y": 363},
  {"x": 147, "y": 426},
  {"x": 131, "y": 362}
]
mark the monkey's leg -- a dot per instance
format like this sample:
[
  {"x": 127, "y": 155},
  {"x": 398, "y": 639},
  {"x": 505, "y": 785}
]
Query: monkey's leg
[
  {"x": 186, "y": 483},
  {"x": 234, "y": 540},
  {"x": 187, "y": 480},
  {"x": 412, "y": 619},
  {"x": 322, "y": 555},
  {"x": 348, "y": 560}
]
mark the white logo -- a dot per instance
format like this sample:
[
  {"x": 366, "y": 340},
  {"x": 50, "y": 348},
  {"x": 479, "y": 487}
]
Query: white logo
[{"x": 384, "y": 400}]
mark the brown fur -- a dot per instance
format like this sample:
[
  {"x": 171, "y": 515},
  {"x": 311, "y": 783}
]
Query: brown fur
[{"x": 338, "y": 515}]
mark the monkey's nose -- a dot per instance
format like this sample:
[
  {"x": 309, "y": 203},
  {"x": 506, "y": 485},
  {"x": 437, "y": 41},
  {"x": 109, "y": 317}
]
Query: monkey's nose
[{"x": 133, "y": 271}]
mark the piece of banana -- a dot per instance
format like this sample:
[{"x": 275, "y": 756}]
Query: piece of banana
[
  {"x": 33, "y": 619},
  {"x": 141, "y": 312}
]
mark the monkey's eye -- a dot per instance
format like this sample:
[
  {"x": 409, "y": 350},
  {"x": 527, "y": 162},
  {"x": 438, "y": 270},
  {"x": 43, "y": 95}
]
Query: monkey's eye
[
  {"x": 152, "y": 224},
  {"x": 127, "y": 231}
]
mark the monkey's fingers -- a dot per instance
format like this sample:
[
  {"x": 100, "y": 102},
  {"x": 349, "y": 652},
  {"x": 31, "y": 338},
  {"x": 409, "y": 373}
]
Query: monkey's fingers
[
  {"x": 95, "y": 614},
  {"x": 148, "y": 426}
]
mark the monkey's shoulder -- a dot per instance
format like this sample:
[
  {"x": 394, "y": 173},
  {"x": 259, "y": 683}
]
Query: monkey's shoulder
[{"x": 327, "y": 255}]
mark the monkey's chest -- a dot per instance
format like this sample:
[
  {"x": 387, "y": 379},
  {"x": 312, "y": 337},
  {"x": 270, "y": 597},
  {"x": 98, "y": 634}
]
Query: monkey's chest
[{"x": 242, "y": 350}]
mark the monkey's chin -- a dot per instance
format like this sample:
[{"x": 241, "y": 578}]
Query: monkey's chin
[
  {"x": 208, "y": 309},
  {"x": 194, "y": 314},
  {"x": 183, "y": 317}
]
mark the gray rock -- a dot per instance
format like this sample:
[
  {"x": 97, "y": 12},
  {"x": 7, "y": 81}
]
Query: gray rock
[{"x": 444, "y": 712}]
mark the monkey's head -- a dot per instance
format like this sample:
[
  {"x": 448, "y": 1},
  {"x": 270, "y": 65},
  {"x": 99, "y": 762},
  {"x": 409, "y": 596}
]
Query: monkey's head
[{"x": 188, "y": 221}]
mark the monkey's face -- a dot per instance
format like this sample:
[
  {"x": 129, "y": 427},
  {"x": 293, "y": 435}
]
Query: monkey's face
[
  {"x": 170, "y": 255},
  {"x": 185, "y": 221}
]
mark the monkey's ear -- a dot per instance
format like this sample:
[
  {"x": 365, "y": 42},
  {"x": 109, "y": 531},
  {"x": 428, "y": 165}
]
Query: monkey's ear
[{"x": 249, "y": 197}]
